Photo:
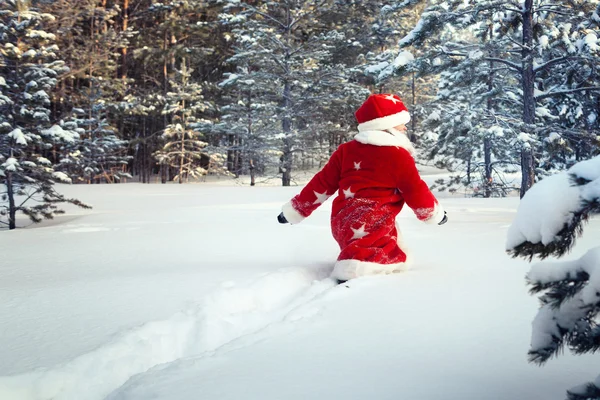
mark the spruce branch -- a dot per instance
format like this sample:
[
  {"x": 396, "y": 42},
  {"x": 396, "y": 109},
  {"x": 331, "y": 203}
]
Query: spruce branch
[
  {"x": 511, "y": 64},
  {"x": 588, "y": 341},
  {"x": 589, "y": 392},
  {"x": 563, "y": 92},
  {"x": 566, "y": 237},
  {"x": 562, "y": 290},
  {"x": 550, "y": 63},
  {"x": 564, "y": 242}
]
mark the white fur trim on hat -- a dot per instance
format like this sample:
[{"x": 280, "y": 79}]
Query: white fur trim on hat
[
  {"x": 290, "y": 213},
  {"x": 350, "y": 269},
  {"x": 384, "y": 138},
  {"x": 382, "y": 123}
]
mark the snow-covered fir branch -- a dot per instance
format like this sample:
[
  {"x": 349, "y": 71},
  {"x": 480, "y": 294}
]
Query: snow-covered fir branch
[{"x": 550, "y": 217}]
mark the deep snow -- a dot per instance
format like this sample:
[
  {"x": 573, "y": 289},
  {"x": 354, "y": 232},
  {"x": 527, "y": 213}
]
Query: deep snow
[{"x": 199, "y": 285}]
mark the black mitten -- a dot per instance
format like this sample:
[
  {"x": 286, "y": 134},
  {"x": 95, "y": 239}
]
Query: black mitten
[
  {"x": 444, "y": 220},
  {"x": 281, "y": 219}
]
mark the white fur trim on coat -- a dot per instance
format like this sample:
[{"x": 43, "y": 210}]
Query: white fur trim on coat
[
  {"x": 385, "y": 138},
  {"x": 349, "y": 269},
  {"x": 290, "y": 213},
  {"x": 389, "y": 121},
  {"x": 401, "y": 245},
  {"x": 436, "y": 217}
]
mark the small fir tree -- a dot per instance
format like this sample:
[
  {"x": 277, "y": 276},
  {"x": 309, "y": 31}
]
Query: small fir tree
[
  {"x": 183, "y": 149},
  {"x": 29, "y": 68}
]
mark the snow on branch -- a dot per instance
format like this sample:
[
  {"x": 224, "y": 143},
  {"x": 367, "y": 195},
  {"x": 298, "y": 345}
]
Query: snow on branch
[
  {"x": 553, "y": 8},
  {"x": 570, "y": 305},
  {"x": 264, "y": 15},
  {"x": 585, "y": 392},
  {"x": 551, "y": 63},
  {"x": 511, "y": 64},
  {"x": 551, "y": 215},
  {"x": 505, "y": 62},
  {"x": 426, "y": 23},
  {"x": 562, "y": 92}
]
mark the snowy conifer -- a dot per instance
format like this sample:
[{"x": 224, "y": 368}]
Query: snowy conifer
[
  {"x": 175, "y": 33},
  {"x": 183, "y": 148},
  {"x": 570, "y": 299},
  {"x": 534, "y": 63},
  {"x": 289, "y": 53},
  {"x": 464, "y": 129},
  {"x": 388, "y": 21},
  {"x": 98, "y": 155},
  {"x": 89, "y": 41},
  {"x": 241, "y": 125},
  {"x": 28, "y": 71}
]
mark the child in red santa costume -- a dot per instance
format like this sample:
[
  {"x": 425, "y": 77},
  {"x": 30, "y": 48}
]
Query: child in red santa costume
[{"x": 374, "y": 175}]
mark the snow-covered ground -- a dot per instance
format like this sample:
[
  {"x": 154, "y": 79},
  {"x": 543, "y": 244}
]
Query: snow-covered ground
[{"x": 196, "y": 292}]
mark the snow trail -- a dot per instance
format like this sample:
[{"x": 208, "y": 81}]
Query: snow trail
[{"x": 224, "y": 316}]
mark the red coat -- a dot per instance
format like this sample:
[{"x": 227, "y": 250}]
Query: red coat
[{"x": 374, "y": 176}]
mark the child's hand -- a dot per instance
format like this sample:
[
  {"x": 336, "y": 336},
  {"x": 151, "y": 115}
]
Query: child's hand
[
  {"x": 444, "y": 220},
  {"x": 281, "y": 219}
]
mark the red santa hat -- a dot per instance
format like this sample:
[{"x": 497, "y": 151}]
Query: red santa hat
[{"x": 380, "y": 112}]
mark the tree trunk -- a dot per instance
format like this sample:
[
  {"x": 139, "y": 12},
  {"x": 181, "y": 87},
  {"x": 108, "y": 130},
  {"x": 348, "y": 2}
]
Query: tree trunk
[
  {"x": 182, "y": 148},
  {"x": 138, "y": 150},
  {"x": 487, "y": 141},
  {"x": 124, "y": 49},
  {"x": 12, "y": 210},
  {"x": 469, "y": 169},
  {"x": 230, "y": 142},
  {"x": 487, "y": 155},
  {"x": 144, "y": 150},
  {"x": 165, "y": 73},
  {"x": 248, "y": 136},
  {"x": 104, "y": 24},
  {"x": 238, "y": 158},
  {"x": 528, "y": 82},
  {"x": 163, "y": 173},
  {"x": 527, "y": 170},
  {"x": 181, "y": 159},
  {"x": 252, "y": 173},
  {"x": 286, "y": 125},
  {"x": 286, "y": 178}
]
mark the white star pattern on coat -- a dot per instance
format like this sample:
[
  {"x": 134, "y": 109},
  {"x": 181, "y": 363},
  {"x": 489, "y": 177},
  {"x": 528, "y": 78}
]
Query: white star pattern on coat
[
  {"x": 391, "y": 97},
  {"x": 321, "y": 197},
  {"x": 348, "y": 193},
  {"x": 357, "y": 165},
  {"x": 359, "y": 233}
]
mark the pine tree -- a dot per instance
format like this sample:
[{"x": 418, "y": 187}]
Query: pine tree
[
  {"x": 570, "y": 300},
  {"x": 99, "y": 154},
  {"x": 241, "y": 125},
  {"x": 183, "y": 149},
  {"x": 467, "y": 133},
  {"x": 29, "y": 68},
  {"x": 392, "y": 68},
  {"x": 90, "y": 40},
  {"x": 387, "y": 22},
  {"x": 288, "y": 51},
  {"x": 173, "y": 31},
  {"x": 536, "y": 74}
]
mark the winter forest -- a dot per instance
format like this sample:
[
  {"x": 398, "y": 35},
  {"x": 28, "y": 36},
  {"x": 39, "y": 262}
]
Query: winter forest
[
  {"x": 504, "y": 97},
  {"x": 101, "y": 91}
]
